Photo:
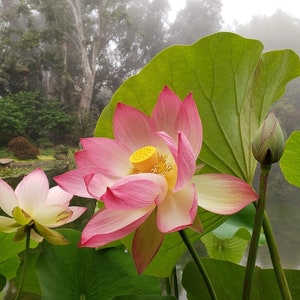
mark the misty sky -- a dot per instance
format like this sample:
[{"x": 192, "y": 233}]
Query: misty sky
[{"x": 241, "y": 11}]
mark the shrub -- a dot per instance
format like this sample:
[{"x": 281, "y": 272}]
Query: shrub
[
  {"x": 22, "y": 149},
  {"x": 27, "y": 114},
  {"x": 52, "y": 118},
  {"x": 11, "y": 120},
  {"x": 44, "y": 143}
]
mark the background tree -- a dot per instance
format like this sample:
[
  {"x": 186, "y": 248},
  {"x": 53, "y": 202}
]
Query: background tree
[
  {"x": 197, "y": 19},
  {"x": 278, "y": 31},
  {"x": 80, "y": 51},
  {"x": 85, "y": 39},
  {"x": 19, "y": 45},
  {"x": 29, "y": 115},
  {"x": 55, "y": 26},
  {"x": 138, "y": 31}
]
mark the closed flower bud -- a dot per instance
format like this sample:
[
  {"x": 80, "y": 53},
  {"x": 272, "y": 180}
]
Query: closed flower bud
[{"x": 268, "y": 142}]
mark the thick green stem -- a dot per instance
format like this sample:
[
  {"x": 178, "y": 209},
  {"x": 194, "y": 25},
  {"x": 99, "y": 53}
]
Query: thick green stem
[
  {"x": 262, "y": 219},
  {"x": 274, "y": 253},
  {"x": 258, "y": 221},
  {"x": 25, "y": 261},
  {"x": 199, "y": 264}
]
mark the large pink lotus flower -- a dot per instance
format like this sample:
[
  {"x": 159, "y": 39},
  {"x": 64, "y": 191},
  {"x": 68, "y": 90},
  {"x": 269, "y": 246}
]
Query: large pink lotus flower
[
  {"x": 144, "y": 176},
  {"x": 34, "y": 206}
]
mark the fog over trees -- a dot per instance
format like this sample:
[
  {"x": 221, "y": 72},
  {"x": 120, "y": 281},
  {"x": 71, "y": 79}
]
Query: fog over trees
[
  {"x": 80, "y": 51},
  {"x": 279, "y": 31}
]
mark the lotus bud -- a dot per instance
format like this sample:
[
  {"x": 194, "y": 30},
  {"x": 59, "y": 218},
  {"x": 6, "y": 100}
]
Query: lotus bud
[{"x": 268, "y": 142}]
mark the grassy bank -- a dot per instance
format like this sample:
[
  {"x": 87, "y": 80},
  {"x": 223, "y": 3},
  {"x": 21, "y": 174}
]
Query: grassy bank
[{"x": 48, "y": 159}]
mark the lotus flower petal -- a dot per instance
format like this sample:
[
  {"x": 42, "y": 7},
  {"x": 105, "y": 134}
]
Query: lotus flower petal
[
  {"x": 52, "y": 216},
  {"x": 188, "y": 121},
  {"x": 108, "y": 155},
  {"x": 184, "y": 157},
  {"x": 77, "y": 211},
  {"x": 73, "y": 181},
  {"x": 136, "y": 191},
  {"x": 135, "y": 134},
  {"x": 57, "y": 196},
  {"x": 96, "y": 184},
  {"x": 223, "y": 194},
  {"x": 51, "y": 235},
  {"x": 178, "y": 210},
  {"x": 8, "y": 224},
  {"x": 21, "y": 216},
  {"x": 20, "y": 233},
  {"x": 8, "y": 198},
  {"x": 168, "y": 105},
  {"x": 146, "y": 242},
  {"x": 35, "y": 236},
  {"x": 33, "y": 206},
  {"x": 109, "y": 225},
  {"x": 32, "y": 191}
]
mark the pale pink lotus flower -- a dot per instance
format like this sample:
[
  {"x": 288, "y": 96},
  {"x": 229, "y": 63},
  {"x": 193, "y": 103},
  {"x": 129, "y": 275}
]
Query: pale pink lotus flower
[
  {"x": 34, "y": 206},
  {"x": 144, "y": 176}
]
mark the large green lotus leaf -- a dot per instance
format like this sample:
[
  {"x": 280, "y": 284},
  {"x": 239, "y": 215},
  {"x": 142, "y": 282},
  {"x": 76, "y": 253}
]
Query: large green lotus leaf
[
  {"x": 227, "y": 279},
  {"x": 139, "y": 297},
  {"x": 31, "y": 282},
  {"x": 230, "y": 249},
  {"x": 70, "y": 272},
  {"x": 9, "y": 260},
  {"x": 173, "y": 247},
  {"x": 234, "y": 85},
  {"x": 242, "y": 219},
  {"x": 290, "y": 160}
]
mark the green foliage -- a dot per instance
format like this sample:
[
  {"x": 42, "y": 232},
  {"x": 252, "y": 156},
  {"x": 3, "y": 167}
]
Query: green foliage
[
  {"x": 27, "y": 114},
  {"x": 144, "y": 297},
  {"x": 230, "y": 249},
  {"x": 242, "y": 219},
  {"x": 22, "y": 149},
  {"x": 31, "y": 282},
  {"x": 14, "y": 173},
  {"x": 9, "y": 260},
  {"x": 173, "y": 247},
  {"x": 27, "y": 104},
  {"x": 228, "y": 279},
  {"x": 290, "y": 161},
  {"x": 11, "y": 120},
  {"x": 52, "y": 118},
  {"x": 44, "y": 143},
  {"x": 70, "y": 272}
]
